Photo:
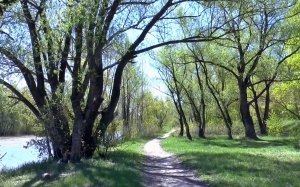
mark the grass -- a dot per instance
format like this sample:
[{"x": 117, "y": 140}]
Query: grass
[
  {"x": 240, "y": 163},
  {"x": 121, "y": 169}
]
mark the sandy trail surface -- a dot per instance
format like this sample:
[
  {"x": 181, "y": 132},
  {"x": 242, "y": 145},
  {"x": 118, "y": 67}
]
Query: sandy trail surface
[{"x": 165, "y": 169}]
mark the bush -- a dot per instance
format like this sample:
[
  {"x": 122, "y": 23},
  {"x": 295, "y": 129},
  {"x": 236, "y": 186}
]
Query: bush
[
  {"x": 111, "y": 140},
  {"x": 275, "y": 125}
]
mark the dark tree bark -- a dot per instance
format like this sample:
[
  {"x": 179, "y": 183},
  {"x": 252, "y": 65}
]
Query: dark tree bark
[
  {"x": 196, "y": 113},
  {"x": 245, "y": 111},
  {"x": 263, "y": 129},
  {"x": 257, "y": 111},
  {"x": 187, "y": 128},
  {"x": 181, "y": 131},
  {"x": 126, "y": 102},
  {"x": 202, "y": 104}
]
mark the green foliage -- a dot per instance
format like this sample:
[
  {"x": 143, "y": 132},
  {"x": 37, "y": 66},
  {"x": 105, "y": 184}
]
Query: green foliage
[
  {"x": 15, "y": 118},
  {"x": 275, "y": 125},
  {"x": 112, "y": 139}
]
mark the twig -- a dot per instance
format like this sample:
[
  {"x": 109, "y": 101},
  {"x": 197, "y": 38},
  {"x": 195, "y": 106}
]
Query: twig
[{"x": 2, "y": 156}]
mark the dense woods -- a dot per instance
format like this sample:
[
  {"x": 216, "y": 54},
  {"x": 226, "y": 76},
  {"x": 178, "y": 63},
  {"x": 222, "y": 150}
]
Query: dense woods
[{"x": 227, "y": 68}]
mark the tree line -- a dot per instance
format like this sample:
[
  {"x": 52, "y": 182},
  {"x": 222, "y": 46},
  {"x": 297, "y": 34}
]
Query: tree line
[{"x": 238, "y": 75}]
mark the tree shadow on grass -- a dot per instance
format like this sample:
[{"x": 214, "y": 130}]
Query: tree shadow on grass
[
  {"x": 245, "y": 143},
  {"x": 243, "y": 170},
  {"x": 120, "y": 169}
]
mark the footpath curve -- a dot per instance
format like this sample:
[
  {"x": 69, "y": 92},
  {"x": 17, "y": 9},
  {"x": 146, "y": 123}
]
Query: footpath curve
[{"x": 163, "y": 169}]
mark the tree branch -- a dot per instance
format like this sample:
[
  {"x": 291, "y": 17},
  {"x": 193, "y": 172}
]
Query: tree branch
[{"x": 21, "y": 98}]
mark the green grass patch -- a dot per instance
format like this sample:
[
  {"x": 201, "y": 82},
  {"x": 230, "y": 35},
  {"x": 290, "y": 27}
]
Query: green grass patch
[
  {"x": 272, "y": 162},
  {"x": 122, "y": 168}
]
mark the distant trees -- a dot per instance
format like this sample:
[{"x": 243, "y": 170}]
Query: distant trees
[
  {"x": 15, "y": 119},
  {"x": 256, "y": 41}
]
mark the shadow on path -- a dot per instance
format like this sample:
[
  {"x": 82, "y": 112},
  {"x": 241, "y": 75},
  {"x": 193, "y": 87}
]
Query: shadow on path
[{"x": 165, "y": 169}]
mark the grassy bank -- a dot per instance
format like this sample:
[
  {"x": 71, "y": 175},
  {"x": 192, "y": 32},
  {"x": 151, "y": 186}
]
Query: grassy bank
[
  {"x": 240, "y": 163},
  {"x": 121, "y": 169}
]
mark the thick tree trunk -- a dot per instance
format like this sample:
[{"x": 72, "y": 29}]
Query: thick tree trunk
[
  {"x": 201, "y": 133},
  {"x": 76, "y": 140},
  {"x": 57, "y": 152},
  {"x": 245, "y": 112},
  {"x": 89, "y": 145}
]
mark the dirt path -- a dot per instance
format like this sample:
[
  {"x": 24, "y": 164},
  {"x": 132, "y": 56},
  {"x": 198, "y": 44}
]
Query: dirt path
[{"x": 165, "y": 169}]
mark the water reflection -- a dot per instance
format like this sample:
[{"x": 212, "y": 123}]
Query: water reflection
[{"x": 16, "y": 155}]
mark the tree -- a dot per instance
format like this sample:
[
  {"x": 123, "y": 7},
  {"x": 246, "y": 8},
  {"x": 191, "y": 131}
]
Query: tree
[
  {"x": 256, "y": 32},
  {"x": 219, "y": 95},
  {"x": 75, "y": 40},
  {"x": 132, "y": 93},
  {"x": 172, "y": 76}
]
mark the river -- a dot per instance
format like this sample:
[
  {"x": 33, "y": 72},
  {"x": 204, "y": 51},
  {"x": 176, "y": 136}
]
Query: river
[{"x": 16, "y": 155}]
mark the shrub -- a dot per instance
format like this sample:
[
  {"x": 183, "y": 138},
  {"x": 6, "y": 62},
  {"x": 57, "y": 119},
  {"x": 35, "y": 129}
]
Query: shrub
[{"x": 275, "y": 125}]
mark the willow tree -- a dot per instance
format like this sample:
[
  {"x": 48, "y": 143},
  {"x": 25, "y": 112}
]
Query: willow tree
[
  {"x": 53, "y": 45},
  {"x": 257, "y": 32}
]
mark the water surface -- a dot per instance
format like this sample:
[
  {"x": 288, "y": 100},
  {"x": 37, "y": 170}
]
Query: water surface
[{"x": 16, "y": 154}]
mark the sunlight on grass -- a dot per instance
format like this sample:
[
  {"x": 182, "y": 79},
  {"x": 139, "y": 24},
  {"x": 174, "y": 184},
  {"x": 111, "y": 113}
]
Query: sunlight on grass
[
  {"x": 240, "y": 163},
  {"x": 122, "y": 168}
]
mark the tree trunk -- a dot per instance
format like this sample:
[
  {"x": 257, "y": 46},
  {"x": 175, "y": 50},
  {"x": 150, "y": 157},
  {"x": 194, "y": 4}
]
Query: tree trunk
[
  {"x": 125, "y": 109},
  {"x": 76, "y": 139},
  {"x": 89, "y": 145},
  {"x": 181, "y": 131},
  {"x": 263, "y": 130},
  {"x": 202, "y": 102},
  {"x": 187, "y": 128},
  {"x": 229, "y": 133},
  {"x": 220, "y": 103},
  {"x": 202, "y": 129},
  {"x": 257, "y": 111},
  {"x": 201, "y": 133},
  {"x": 228, "y": 121},
  {"x": 57, "y": 152},
  {"x": 245, "y": 112}
]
